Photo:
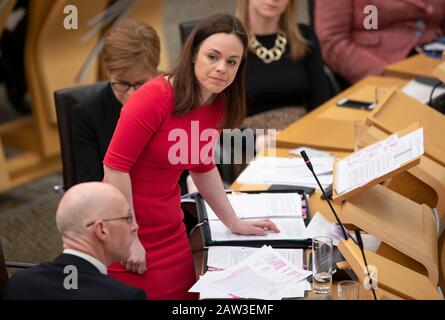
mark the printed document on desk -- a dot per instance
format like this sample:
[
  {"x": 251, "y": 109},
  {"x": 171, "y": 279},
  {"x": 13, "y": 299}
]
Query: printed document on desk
[
  {"x": 262, "y": 205},
  {"x": 377, "y": 160},
  {"x": 287, "y": 171},
  {"x": 291, "y": 229},
  {"x": 223, "y": 257},
  {"x": 263, "y": 275}
]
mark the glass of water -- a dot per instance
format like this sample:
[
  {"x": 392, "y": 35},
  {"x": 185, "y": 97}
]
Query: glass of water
[
  {"x": 322, "y": 265},
  {"x": 348, "y": 290}
]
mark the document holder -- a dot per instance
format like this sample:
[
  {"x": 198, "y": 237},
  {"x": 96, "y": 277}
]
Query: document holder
[
  {"x": 394, "y": 281},
  {"x": 339, "y": 198},
  {"x": 406, "y": 228},
  {"x": 207, "y": 237}
]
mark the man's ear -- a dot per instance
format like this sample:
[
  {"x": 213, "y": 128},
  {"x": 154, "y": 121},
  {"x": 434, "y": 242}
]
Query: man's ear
[{"x": 100, "y": 230}]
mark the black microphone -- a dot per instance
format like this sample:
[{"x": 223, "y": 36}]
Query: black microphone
[
  {"x": 311, "y": 168},
  {"x": 360, "y": 245}
]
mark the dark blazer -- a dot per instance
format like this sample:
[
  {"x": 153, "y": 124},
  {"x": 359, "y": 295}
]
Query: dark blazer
[
  {"x": 46, "y": 282},
  {"x": 93, "y": 121}
]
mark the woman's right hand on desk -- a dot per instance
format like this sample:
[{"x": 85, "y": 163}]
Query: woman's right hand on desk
[
  {"x": 136, "y": 263},
  {"x": 253, "y": 228}
]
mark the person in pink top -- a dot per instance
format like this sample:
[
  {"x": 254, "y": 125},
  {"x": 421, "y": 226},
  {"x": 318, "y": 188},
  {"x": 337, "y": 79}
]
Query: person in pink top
[
  {"x": 170, "y": 125},
  {"x": 355, "y": 52}
]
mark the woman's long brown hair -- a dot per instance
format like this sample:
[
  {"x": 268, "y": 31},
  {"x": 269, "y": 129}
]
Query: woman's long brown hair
[{"x": 185, "y": 84}]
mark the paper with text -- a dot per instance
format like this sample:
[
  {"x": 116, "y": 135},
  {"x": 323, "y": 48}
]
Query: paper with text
[
  {"x": 222, "y": 257},
  {"x": 263, "y": 275},
  {"x": 377, "y": 160},
  {"x": 290, "y": 229},
  {"x": 262, "y": 205},
  {"x": 287, "y": 171}
]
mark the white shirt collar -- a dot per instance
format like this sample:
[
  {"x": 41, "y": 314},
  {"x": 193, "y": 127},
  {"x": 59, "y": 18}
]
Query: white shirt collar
[{"x": 99, "y": 265}]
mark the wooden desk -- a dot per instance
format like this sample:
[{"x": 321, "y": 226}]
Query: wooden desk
[
  {"x": 330, "y": 127},
  {"x": 418, "y": 65}
]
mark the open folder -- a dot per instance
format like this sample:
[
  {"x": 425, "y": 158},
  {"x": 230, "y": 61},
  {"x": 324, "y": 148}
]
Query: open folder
[{"x": 288, "y": 210}]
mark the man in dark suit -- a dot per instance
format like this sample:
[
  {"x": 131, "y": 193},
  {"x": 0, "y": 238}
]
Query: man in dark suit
[{"x": 97, "y": 229}]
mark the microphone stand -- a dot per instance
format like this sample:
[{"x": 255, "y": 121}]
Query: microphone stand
[{"x": 309, "y": 165}]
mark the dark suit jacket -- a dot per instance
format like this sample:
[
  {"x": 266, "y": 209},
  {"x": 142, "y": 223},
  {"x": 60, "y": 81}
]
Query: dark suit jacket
[
  {"x": 46, "y": 282},
  {"x": 94, "y": 121}
]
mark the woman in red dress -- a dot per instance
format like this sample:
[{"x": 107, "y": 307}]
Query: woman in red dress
[{"x": 204, "y": 92}]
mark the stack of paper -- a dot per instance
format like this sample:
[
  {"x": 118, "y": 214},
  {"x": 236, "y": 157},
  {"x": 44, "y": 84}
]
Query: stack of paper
[
  {"x": 223, "y": 257},
  {"x": 263, "y": 275},
  {"x": 287, "y": 171},
  {"x": 283, "y": 209},
  {"x": 376, "y": 160}
]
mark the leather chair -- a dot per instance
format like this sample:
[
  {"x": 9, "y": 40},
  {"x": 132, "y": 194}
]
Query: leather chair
[
  {"x": 3, "y": 274},
  {"x": 4, "y": 277},
  {"x": 185, "y": 28},
  {"x": 65, "y": 99}
]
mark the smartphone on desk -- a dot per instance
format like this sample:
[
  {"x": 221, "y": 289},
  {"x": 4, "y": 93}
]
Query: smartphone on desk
[{"x": 356, "y": 104}]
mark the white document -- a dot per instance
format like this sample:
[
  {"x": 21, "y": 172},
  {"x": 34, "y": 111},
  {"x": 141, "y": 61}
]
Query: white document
[
  {"x": 287, "y": 171},
  {"x": 376, "y": 160},
  {"x": 262, "y": 205},
  {"x": 290, "y": 229},
  {"x": 366, "y": 165},
  {"x": 312, "y": 153},
  {"x": 223, "y": 257},
  {"x": 321, "y": 165},
  {"x": 409, "y": 146},
  {"x": 322, "y": 227},
  {"x": 263, "y": 275},
  {"x": 421, "y": 91},
  {"x": 293, "y": 291}
]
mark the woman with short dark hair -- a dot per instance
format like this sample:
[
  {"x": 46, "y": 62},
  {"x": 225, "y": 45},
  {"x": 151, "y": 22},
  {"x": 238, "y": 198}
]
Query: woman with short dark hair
[{"x": 130, "y": 57}]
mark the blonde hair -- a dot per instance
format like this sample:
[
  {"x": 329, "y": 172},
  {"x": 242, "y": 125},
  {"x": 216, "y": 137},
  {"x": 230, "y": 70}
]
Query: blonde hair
[
  {"x": 297, "y": 43},
  {"x": 131, "y": 44}
]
